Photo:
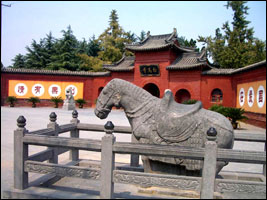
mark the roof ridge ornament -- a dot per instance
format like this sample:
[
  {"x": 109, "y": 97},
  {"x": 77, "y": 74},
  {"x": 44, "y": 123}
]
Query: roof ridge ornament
[
  {"x": 148, "y": 33},
  {"x": 172, "y": 37},
  {"x": 203, "y": 55},
  {"x": 175, "y": 31}
]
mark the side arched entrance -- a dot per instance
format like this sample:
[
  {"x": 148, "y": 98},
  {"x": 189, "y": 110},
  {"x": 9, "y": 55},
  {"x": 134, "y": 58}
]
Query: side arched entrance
[
  {"x": 182, "y": 95},
  {"x": 152, "y": 89}
]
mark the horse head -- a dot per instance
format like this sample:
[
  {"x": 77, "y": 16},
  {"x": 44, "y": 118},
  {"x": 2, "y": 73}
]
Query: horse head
[{"x": 108, "y": 98}]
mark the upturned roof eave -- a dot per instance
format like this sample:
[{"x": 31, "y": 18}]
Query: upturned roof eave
[
  {"x": 117, "y": 69},
  {"x": 231, "y": 71}
]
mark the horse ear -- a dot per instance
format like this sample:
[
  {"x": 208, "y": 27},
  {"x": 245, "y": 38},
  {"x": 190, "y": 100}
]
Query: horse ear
[
  {"x": 116, "y": 100},
  {"x": 165, "y": 101}
]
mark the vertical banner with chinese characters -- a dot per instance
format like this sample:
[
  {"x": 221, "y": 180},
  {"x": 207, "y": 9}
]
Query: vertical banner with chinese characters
[
  {"x": 44, "y": 89},
  {"x": 252, "y": 96}
]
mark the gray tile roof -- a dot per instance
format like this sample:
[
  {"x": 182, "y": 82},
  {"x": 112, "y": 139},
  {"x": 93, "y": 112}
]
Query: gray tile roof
[
  {"x": 157, "y": 42},
  {"x": 216, "y": 71},
  {"x": 53, "y": 72},
  {"x": 189, "y": 61},
  {"x": 124, "y": 64}
]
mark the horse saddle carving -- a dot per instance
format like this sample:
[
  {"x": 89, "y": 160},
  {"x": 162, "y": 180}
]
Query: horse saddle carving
[{"x": 176, "y": 122}]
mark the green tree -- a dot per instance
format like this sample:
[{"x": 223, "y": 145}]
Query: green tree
[
  {"x": 82, "y": 47},
  {"x": 90, "y": 63},
  {"x": 66, "y": 57},
  {"x": 142, "y": 36},
  {"x": 113, "y": 40},
  {"x": 237, "y": 47},
  {"x": 188, "y": 43},
  {"x": 93, "y": 47},
  {"x": 35, "y": 58},
  {"x": 38, "y": 55},
  {"x": 49, "y": 48},
  {"x": 18, "y": 61}
]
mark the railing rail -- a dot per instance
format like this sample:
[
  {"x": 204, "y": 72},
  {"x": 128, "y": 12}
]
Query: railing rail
[
  {"x": 108, "y": 147},
  {"x": 100, "y": 128},
  {"x": 250, "y": 137},
  {"x": 54, "y": 141}
]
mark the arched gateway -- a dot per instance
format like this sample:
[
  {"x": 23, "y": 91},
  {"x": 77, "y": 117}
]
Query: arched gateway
[
  {"x": 182, "y": 95},
  {"x": 152, "y": 89}
]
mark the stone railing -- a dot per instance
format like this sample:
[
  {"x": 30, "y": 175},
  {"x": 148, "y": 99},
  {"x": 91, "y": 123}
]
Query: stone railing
[{"x": 108, "y": 174}]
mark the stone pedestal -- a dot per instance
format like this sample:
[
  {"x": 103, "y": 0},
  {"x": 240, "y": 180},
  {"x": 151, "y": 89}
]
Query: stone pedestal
[{"x": 69, "y": 105}]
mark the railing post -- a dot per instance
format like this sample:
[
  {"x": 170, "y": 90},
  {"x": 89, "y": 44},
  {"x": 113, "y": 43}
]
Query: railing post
[
  {"x": 107, "y": 162},
  {"x": 134, "y": 157},
  {"x": 21, "y": 152},
  {"x": 74, "y": 153},
  {"x": 209, "y": 168},
  {"x": 264, "y": 165},
  {"x": 53, "y": 124}
]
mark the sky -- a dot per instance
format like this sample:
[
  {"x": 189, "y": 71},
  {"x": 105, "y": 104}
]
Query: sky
[{"x": 25, "y": 21}]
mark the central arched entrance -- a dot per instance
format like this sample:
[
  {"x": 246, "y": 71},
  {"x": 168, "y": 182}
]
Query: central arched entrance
[
  {"x": 182, "y": 95},
  {"x": 152, "y": 89}
]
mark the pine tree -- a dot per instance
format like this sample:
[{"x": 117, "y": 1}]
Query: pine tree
[
  {"x": 93, "y": 47},
  {"x": 66, "y": 52},
  {"x": 35, "y": 58},
  {"x": 49, "y": 48},
  {"x": 113, "y": 40},
  {"x": 142, "y": 36},
  {"x": 188, "y": 43},
  {"x": 237, "y": 47},
  {"x": 18, "y": 61}
]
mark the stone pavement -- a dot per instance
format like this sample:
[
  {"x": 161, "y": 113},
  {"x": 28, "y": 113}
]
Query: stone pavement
[{"x": 38, "y": 118}]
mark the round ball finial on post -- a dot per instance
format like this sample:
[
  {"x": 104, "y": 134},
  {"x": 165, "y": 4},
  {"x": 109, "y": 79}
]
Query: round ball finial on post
[
  {"x": 212, "y": 134},
  {"x": 53, "y": 117},
  {"x": 109, "y": 127},
  {"x": 21, "y": 121},
  {"x": 74, "y": 114}
]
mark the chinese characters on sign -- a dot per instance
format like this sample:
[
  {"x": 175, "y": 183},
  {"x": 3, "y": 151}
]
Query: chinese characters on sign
[
  {"x": 241, "y": 96},
  {"x": 73, "y": 89},
  {"x": 250, "y": 97},
  {"x": 21, "y": 89},
  {"x": 38, "y": 90},
  {"x": 54, "y": 90},
  {"x": 44, "y": 89},
  {"x": 260, "y": 96},
  {"x": 149, "y": 70}
]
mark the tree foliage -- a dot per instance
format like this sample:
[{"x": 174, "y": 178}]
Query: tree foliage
[
  {"x": 66, "y": 57},
  {"x": 188, "y": 43},
  {"x": 113, "y": 39},
  {"x": 19, "y": 61},
  {"x": 236, "y": 47}
]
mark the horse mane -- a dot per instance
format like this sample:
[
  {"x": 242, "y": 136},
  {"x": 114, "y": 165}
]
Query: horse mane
[{"x": 128, "y": 88}]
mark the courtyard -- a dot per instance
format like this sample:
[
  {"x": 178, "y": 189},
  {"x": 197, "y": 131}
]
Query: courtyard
[{"x": 38, "y": 118}]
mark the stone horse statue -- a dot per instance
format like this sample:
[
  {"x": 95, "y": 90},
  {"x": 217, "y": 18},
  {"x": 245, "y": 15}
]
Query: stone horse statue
[{"x": 165, "y": 122}]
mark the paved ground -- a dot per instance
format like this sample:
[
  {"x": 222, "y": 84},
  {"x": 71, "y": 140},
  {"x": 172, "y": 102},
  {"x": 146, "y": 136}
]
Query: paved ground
[{"x": 38, "y": 118}]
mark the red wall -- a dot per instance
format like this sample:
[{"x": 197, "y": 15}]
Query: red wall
[
  {"x": 162, "y": 58},
  {"x": 224, "y": 83},
  {"x": 89, "y": 86},
  {"x": 189, "y": 80},
  {"x": 258, "y": 74}
]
